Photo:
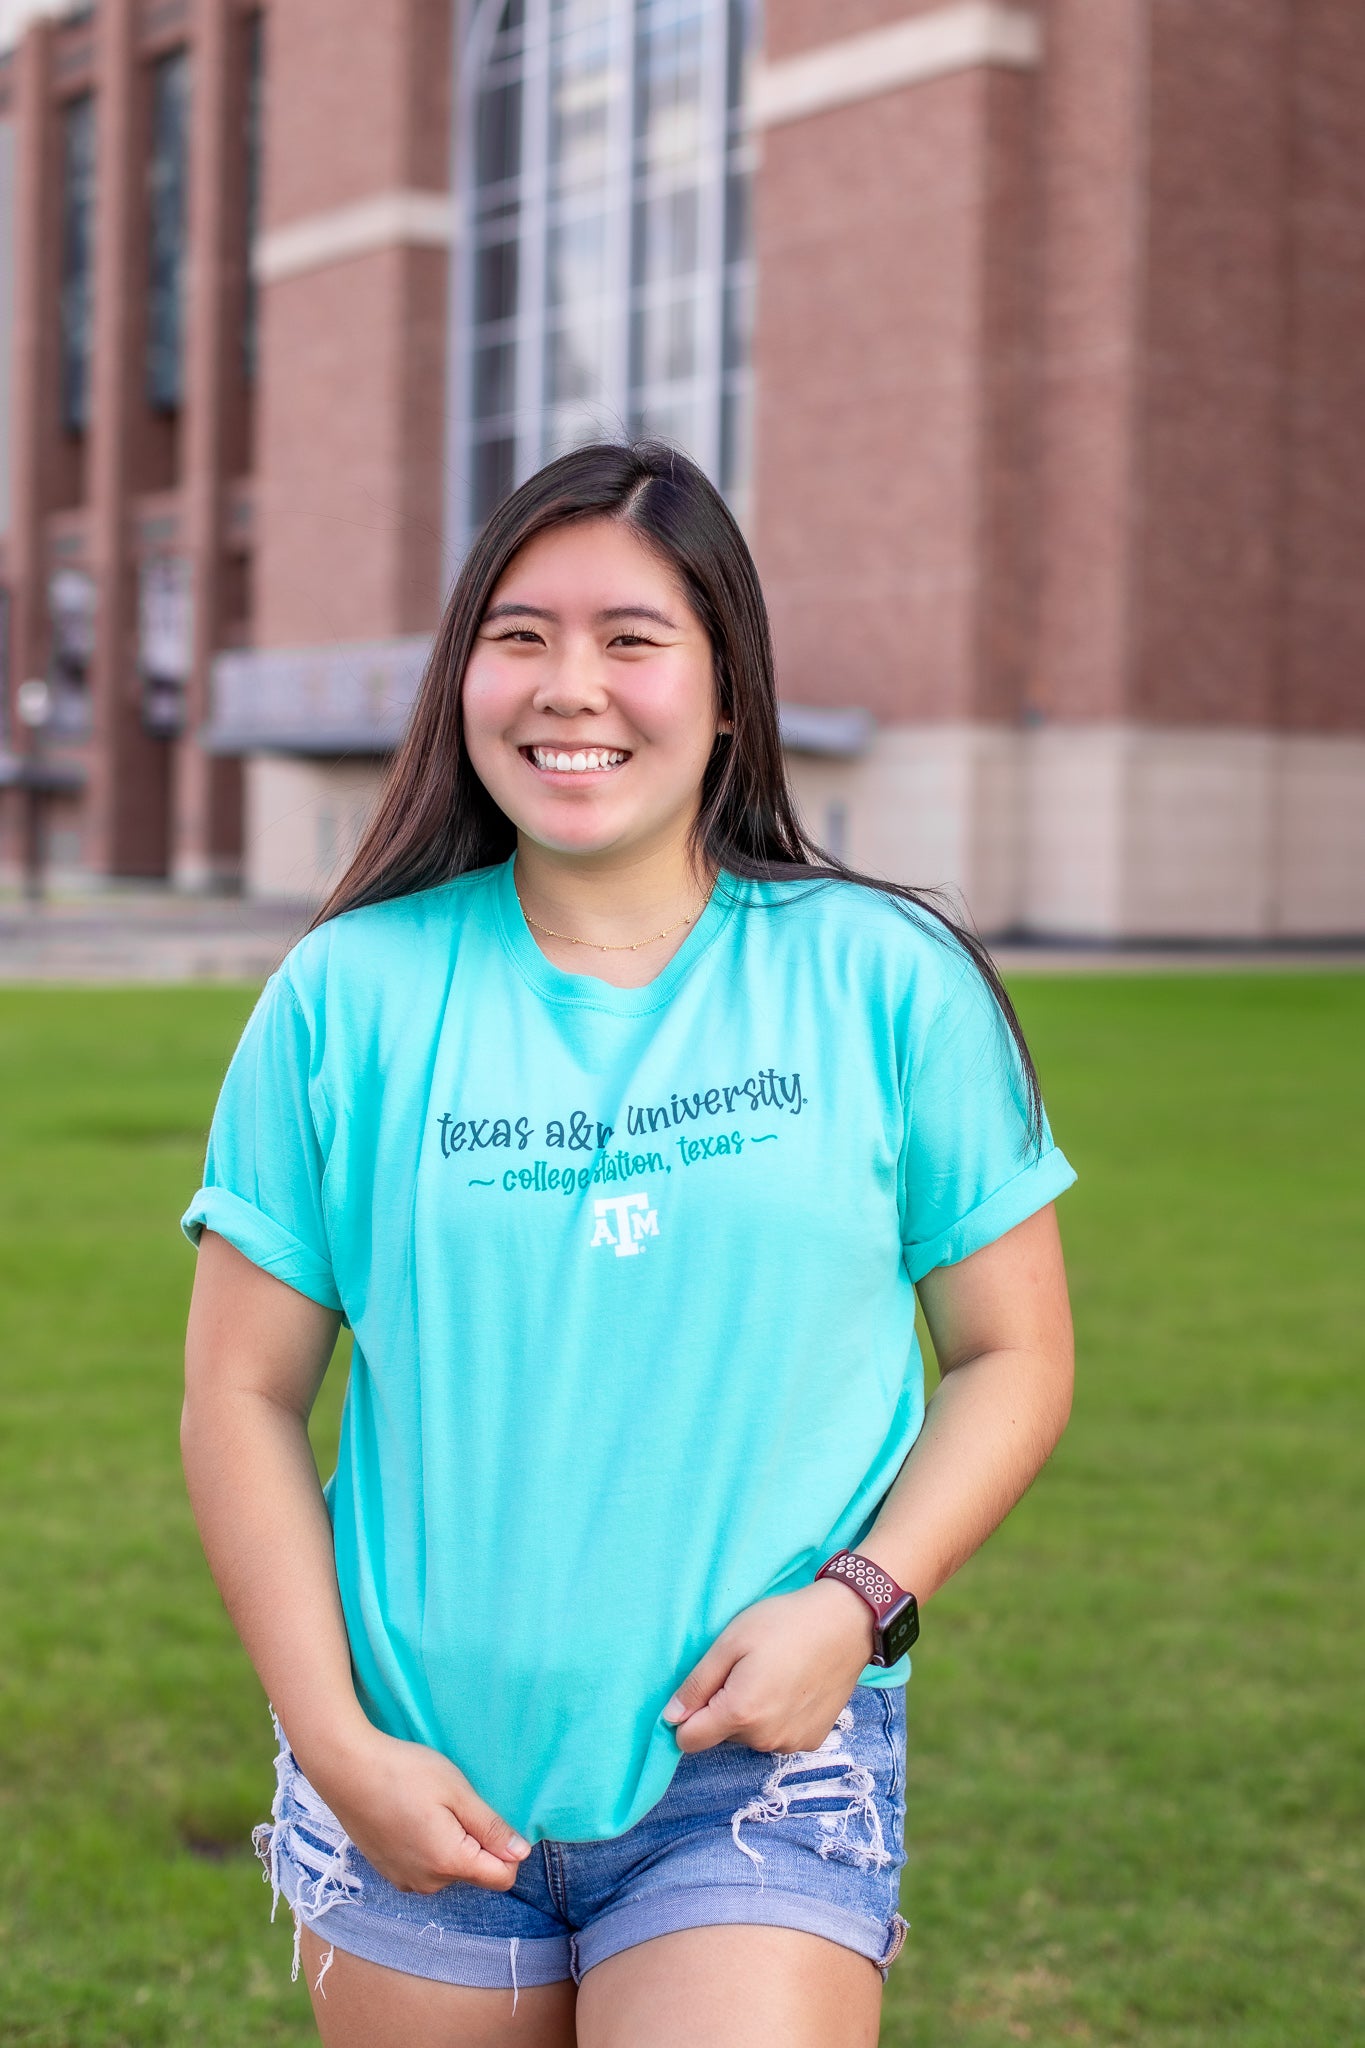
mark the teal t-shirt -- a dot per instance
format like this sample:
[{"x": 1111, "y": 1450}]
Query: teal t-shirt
[{"x": 631, "y": 1279}]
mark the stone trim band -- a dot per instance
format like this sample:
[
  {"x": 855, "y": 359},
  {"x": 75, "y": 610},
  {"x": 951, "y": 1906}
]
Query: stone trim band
[
  {"x": 927, "y": 46},
  {"x": 380, "y": 222}
]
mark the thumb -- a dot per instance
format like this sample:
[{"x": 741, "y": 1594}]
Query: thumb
[
  {"x": 702, "y": 1681},
  {"x": 488, "y": 1829},
  {"x": 713, "y": 1723}
]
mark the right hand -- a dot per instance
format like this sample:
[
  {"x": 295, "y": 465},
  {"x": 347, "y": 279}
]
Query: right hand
[{"x": 416, "y": 1817}]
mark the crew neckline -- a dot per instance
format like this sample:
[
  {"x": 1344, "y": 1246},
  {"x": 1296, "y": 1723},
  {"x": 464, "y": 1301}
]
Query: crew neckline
[{"x": 558, "y": 985}]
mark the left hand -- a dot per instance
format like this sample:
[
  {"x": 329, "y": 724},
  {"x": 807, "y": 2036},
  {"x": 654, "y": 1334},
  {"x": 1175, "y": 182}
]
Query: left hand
[{"x": 778, "y": 1676}]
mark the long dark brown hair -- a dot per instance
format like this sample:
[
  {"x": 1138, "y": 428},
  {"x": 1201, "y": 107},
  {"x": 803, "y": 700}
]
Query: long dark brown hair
[{"x": 434, "y": 818}]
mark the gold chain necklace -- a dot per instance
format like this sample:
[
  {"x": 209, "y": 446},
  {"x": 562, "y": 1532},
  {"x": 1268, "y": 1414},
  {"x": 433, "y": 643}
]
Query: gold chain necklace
[{"x": 599, "y": 945}]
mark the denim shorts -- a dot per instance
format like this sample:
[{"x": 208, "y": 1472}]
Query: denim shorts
[{"x": 812, "y": 1839}]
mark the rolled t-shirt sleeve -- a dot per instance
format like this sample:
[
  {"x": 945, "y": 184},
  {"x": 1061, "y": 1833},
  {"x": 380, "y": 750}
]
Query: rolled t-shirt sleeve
[
  {"x": 970, "y": 1169},
  {"x": 263, "y": 1172}
]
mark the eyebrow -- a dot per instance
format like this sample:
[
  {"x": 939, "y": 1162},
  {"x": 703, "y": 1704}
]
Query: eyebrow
[{"x": 507, "y": 609}]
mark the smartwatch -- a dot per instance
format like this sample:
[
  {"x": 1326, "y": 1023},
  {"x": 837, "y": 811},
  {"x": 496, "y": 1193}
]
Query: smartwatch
[{"x": 895, "y": 1612}]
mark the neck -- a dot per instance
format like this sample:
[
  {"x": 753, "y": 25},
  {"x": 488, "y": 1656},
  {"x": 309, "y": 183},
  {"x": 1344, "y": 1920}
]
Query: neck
[{"x": 646, "y": 901}]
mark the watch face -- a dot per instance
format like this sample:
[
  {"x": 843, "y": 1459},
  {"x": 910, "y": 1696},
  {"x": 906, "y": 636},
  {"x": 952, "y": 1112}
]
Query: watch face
[{"x": 901, "y": 1629}]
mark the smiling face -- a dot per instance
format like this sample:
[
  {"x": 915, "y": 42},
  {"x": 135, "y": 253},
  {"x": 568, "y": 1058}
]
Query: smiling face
[{"x": 590, "y": 707}]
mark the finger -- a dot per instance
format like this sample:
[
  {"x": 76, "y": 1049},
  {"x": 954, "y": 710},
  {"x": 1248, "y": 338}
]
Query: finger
[
  {"x": 716, "y": 1722},
  {"x": 702, "y": 1681},
  {"x": 461, "y": 1857},
  {"x": 488, "y": 1829}
]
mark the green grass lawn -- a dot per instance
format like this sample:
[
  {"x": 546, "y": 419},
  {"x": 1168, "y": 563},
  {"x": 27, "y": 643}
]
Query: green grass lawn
[{"x": 1137, "y": 1722}]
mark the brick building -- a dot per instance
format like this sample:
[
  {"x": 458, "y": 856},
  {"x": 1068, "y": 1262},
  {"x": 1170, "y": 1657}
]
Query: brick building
[{"x": 1024, "y": 340}]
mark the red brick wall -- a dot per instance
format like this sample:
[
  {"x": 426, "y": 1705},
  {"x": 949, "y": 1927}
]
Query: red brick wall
[
  {"x": 1008, "y": 457},
  {"x": 356, "y": 95},
  {"x": 348, "y": 488},
  {"x": 1093, "y": 268},
  {"x": 1324, "y": 627},
  {"x": 1061, "y": 398},
  {"x": 1209, "y": 589},
  {"x": 128, "y": 804},
  {"x": 873, "y": 223},
  {"x": 791, "y": 26},
  {"x": 351, "y": 410},
  {"x": 1203, "y": 420}
]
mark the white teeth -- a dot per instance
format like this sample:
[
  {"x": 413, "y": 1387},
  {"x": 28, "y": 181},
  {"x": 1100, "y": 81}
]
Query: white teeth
[{"x": 586, "y": 761}]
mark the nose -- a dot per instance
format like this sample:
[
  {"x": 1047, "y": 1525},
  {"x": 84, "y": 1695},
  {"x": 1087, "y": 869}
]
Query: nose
[{"x": 573, "y": 682}]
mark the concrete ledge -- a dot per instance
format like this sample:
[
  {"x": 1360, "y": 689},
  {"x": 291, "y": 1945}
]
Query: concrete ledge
[
  {"x": 882, "y": 60},
  {"x": 381, "y": 222}
]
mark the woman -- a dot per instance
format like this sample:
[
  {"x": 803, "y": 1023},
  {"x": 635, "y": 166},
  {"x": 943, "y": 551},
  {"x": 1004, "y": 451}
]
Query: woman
[{"x": 621, "y": 1129}]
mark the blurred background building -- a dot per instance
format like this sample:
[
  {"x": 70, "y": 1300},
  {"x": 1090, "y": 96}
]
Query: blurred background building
[{"x": 1024, "y": 341}]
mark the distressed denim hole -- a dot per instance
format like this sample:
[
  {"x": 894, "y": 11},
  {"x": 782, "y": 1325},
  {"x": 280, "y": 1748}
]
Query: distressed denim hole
[
  {"x": 308, "y": 1834},
  {"x": 305, "y": 1833},
  {"x": 829, "y": 1784}
]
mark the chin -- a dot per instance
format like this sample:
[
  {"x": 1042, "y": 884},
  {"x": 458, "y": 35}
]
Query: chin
[{"x": 566, "y": 835}]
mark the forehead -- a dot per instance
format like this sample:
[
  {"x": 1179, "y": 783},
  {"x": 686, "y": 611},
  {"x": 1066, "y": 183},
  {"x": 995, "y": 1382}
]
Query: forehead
[{"x": 589, "y": 566}]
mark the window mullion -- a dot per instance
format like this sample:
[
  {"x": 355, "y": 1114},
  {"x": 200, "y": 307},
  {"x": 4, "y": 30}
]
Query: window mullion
[
  {"x": 621, "y": 173},
  {"x": 478, "y": 21},
  {"x": 711, "y": 235},
  {"x": 533, "y": 252},
  {"x": 674, "y": 172}
]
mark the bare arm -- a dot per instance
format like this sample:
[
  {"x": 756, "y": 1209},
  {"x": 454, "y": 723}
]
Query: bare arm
[
  {"x": 255, "y": 1355},
  {"x": 1001, "y": 1324}
]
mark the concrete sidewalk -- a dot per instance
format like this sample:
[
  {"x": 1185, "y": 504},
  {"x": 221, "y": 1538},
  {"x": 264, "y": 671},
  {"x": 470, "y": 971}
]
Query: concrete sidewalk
[
  {"x": 149, "y": 934},
  {"x": 140, "y": 935}
]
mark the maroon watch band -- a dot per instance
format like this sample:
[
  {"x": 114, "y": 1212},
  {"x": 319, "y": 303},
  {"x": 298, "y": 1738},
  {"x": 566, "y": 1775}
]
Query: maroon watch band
[{"x": 896, "y": 1612}]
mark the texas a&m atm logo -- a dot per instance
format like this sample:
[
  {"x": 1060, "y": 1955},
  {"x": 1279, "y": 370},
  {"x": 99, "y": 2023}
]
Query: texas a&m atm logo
[{"x": 623, "y": 1220}]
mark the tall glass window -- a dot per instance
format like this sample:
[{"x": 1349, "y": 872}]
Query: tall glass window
[
  {"x": 167, "y": 182},
  {"x": 606, "y": 274},
  {"x": 77, "y": 289}
]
